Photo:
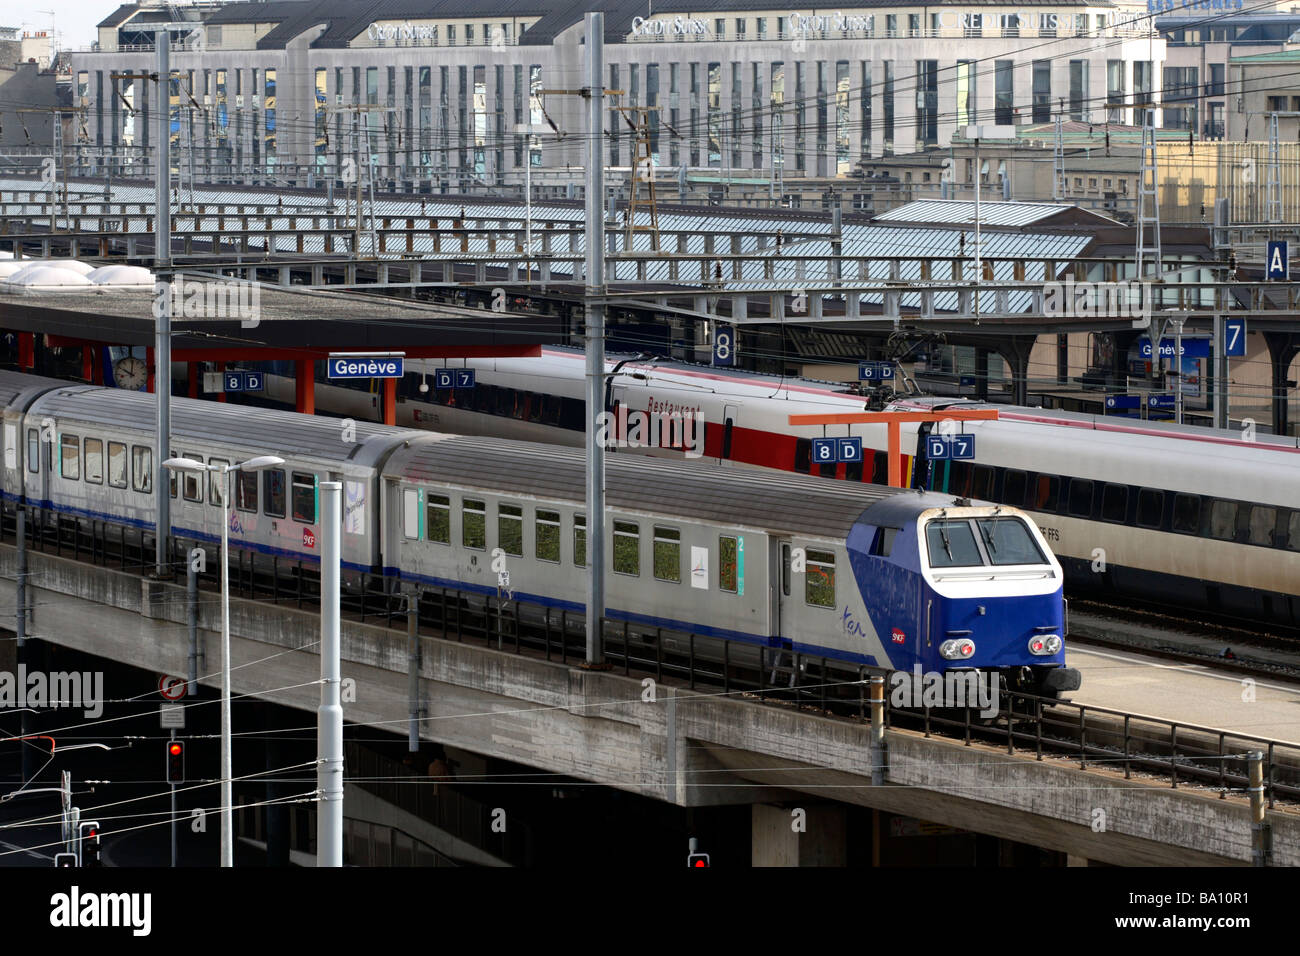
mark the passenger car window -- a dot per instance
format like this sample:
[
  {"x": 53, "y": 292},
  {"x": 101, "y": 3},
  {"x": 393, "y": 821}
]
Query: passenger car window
[
  {"x": 304, "y": 497},
  {"x": 1080, "y": 497},
  {"x": 510, "y": 529},
  {"x": 627, "y": 547},
  {"x": 727, "y": 564},
  {"x": 1047, "y": 493},
  {"x": 1223, "y": 520},
  {"x": 116, "y": 464},
  {"x": 819, "y": 588},
  {"x": 546, "y": 532},
  {"x": 217, "y": 479},
  {"x": 246, "y": 491},
  {"x": 580, "y": 540},
  {"x": 1187, "y": 513},
  {"x": 1293, "y": 532},
  {"x": 1151, "y": 507},
  {"x": 474, "y": 524},
  {"x": 93, "y": 452},
  {"x": 668, "y": 554},
  {"x": 273, "y": 485},
  {"x": 33, "y": 450},
  {"x": 142, "y": 468},
  {"x": 1262, "y": 521},
  {"x": 192, "y": 486},
  {"x": 1114, "y": 502},
  {"x": 69, "y": 456},
  {"x": 437, "y": 518},
  {"x": 1013, "y": 487}
]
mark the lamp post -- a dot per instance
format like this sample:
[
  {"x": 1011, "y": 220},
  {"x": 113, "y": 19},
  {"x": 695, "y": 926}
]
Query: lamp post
[{"x": 192, "y": 465}]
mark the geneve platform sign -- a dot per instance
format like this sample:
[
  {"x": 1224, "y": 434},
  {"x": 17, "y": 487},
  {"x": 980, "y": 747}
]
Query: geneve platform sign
[{"x": 366, "y": 366}]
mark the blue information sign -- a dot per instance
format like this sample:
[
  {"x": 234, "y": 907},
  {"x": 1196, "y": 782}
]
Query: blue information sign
[
  {"x": 937, "y": 448},
  {"x": 875, "y": 371},
  {"x": 1276, "y": 264},
  {"x": 453, "y": 378},
  {"x": 241, "y": 381},
  {"x": 1192, "y": 348},
  {"x": 966, "y": 381},
  {"x": 724, "y": 346},
  {"x": 365, "y": 366},
  {"x": 1160, "y": 401},
  {"x": 963, "y": 447},
  {"x": 848, "y": 449},
  {"x": 823, "y": 451},
  {"x": 464, "y": 377},
  {"x": 1234, "y": 337},
  {"x": 1122, "y": 402}
]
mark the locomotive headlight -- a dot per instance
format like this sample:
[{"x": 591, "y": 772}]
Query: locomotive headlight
[
  {"x": 1045, "y": 645},
  {"x": 957, "y": 650}
]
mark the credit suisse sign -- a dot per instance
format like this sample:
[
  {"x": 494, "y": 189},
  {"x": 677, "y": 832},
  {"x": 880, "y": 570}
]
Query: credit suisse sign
[{"x": 402, "y": 31}]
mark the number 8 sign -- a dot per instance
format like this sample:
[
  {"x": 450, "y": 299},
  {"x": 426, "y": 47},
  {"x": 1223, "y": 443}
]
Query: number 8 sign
[
  {"x": 724, "y": 346},
  {"x": 823, "y": 451}
]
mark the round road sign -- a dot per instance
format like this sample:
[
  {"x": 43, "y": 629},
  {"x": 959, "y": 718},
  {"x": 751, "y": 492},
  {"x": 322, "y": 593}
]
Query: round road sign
[{"x": 172, "y": 688}]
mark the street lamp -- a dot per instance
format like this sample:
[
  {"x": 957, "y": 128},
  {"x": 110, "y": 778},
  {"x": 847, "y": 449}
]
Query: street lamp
[
  {"x": 193, "y": 465},
  {"x": 977, "y": 133}
]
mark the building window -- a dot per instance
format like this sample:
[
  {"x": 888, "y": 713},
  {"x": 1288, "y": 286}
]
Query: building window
[
  {"x": 1004, "y": 92},
  {"x": 1042, "y": 91},
  {"x": 1078, "y": 89}
]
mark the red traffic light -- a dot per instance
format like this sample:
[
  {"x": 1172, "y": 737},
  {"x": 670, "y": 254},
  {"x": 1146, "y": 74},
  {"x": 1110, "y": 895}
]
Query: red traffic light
[
  {"x": 175, "y": 749},
  {"x": 697, "y": 860},
  {"x": 175, "y": 762}
]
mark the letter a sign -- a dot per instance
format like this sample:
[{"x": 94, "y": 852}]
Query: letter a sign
[{"x": 1277, "y": 265}]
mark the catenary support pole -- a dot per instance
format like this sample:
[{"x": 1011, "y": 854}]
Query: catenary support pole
[
  {"x": 163, "y": 326},
  {"x": 329, "y": 727},
  {"x": 595, "y": 338}
]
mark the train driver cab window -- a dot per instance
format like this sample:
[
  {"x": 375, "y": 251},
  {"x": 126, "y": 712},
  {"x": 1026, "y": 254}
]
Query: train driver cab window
[
  {"x": 1187, "y": 513},
  {"x": 246, "y": 491},
  {"x": 217, "y": 479},
  {"x": 883, "y": 544},
  {"x": 33, "y": 450},
  {"x": 274, "y": 487},
  {"x": 69, "y": 456},
  {"x": 1008, "y": 541},
  {"x": 93, "y": 452},
  {"x": 142, "y": 468},
  {"x": 116, "y": 464},
  {"x": 304, "y": 497},
  {"x": 819, "y": 586},
  {"x": 952, "y": 544}
]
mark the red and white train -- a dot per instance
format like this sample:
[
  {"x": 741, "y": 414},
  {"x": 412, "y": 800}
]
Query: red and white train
[{"x": 1189, "y": 516}]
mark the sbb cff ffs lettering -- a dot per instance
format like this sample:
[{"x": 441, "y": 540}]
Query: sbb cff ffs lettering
[{"x": 175, "y": 761}]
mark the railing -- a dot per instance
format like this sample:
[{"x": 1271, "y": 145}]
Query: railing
[{"x": 773, "y": 675}]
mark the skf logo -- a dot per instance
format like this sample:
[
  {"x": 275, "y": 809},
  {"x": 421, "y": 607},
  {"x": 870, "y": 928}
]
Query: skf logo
[
  {"x": 898, "y": 636},
  {"x": 308, "y": 538}
]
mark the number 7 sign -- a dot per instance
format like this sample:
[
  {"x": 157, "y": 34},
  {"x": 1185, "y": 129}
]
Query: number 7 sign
[{"x": 1234, "y": 338}]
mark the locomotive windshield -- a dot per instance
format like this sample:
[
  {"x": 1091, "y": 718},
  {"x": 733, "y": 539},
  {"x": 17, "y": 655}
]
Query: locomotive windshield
[{"x": 976, "y": 542}]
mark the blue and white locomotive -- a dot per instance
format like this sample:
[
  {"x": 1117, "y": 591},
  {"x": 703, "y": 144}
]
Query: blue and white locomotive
[{"x": 696, "y": 552}]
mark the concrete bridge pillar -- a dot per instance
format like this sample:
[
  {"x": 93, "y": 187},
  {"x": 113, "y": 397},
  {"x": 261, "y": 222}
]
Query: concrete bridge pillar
[{"x": 812, "y": 835}]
